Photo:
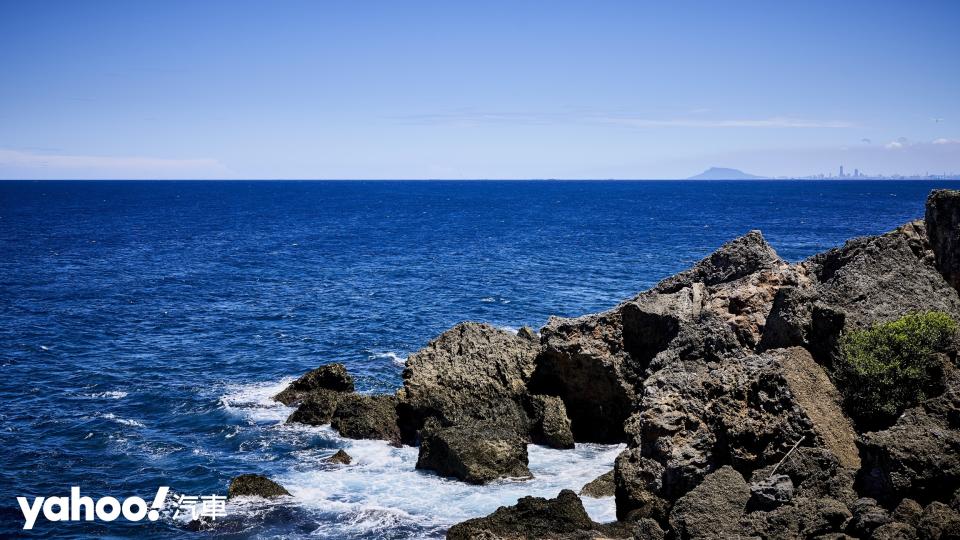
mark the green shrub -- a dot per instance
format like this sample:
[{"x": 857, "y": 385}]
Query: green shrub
[{"x": 892, "y": 366}]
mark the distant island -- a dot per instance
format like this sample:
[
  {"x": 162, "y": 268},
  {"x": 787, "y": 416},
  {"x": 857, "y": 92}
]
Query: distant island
[{"x": 722, "y": 173}]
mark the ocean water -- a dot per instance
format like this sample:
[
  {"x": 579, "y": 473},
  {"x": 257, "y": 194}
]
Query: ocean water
[{"x": 144, "y": 325}]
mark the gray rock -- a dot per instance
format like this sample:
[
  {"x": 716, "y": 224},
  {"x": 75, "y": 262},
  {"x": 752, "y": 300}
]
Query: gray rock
[
  {"x": 638, "y": 487},
  {"x": 340, "y": 457},
  {"x": 360, "y": 416},
  {"x": 473, "y": 453},
  {"x": 472, "y": 373},
  {"x": 919, "y": 456},
  {"x": 736, "y": 259},
  {"x": 867, "y": 516},
  {"x": 601, "y": 486},
  {"x": 255, "y": 485},
  {"x": 316, "y": 407},
  {"x": 531, "y": 517},
  {"x": 551, "y": 427},
  {"x": 866, "y": 281},
  {"x": 326, "y": 377},
  {"x": 771, "y": 492},
  {"x": 714, "y": 508},
  {"x": 528, "y": 333},
  {"x": 943, "y": 230}
]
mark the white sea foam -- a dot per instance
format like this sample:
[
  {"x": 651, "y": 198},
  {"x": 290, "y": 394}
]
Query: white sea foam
[
  {"x": 113, "y": 394},
  {"x": 382, "y": 489},
  {"x": 119, "y": 420},
  {"x": 400, "y": 360},
  {"x": 255, "y": 402}
]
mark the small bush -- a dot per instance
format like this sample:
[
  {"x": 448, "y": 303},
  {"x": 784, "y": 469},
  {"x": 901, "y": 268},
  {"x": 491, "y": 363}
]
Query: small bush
[{"x": 894, "y": 365}]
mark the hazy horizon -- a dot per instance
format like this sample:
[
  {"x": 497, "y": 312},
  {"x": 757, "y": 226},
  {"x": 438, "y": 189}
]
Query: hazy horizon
[{"x": 503, "y": 90}]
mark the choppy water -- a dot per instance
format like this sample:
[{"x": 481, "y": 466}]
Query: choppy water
[{"x": 143, "y": 325}]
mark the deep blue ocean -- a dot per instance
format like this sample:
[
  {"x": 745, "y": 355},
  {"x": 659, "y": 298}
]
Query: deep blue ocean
[{"x": 144, "y": 325}]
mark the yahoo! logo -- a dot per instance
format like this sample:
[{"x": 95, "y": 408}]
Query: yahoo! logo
[{"x": 77, "y": 508}]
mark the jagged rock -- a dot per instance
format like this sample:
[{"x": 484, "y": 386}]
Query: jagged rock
[
  {"x": 601, "y": 486},
  {"x": 866, "y": 281},
  {"x": 867, "y": 516},
  {"x": 255, "y": 485},
  {"x": 939, "y": 522},
  {"x": 714, "y": 508},
  {"x": 470, "y": 373},
  {"x": 551, "y": 427},
  {"x": 526, "y": 332},
  {"x": 748, "y": 411},
  {"x": 802, "y": 518},
  {"x": 360, "y": 416},
  {"x": 815, "y": 473},
  {"x": 943, "y": 229},
  {"x": 327, "y": 377},
  {"x": 894, "y": 531},
  {"x": 771, "y": 492},
  {"x": 533, "y": 517},
  {"x": 473, "y": 453},
  {"x": 919, "y": 456},
  {"x": 340, "y": 457},
  {"x": 582, "y": 363},
  {"x": 638, "y": 485},
  {"x": 738, "y": 258},
  {"x": 316, "y": 408}
]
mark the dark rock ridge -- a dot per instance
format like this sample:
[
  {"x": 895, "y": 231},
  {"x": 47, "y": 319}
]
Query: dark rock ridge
[
  {"x": 255, "y": 485},
  {"x": 327, "y": 377},
  {"x": 719, "y": 380}
]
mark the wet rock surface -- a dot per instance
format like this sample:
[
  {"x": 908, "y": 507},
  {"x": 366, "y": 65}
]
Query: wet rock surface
[
  {"x": 361, "y": 416},
  {"x": 255, "y": 485},
  {"x": 474, "y": 454},
  {"x": 340, "y": 457},
  {"x": 601, "y": 486},
  {"x": 472, "y": 373},
  {"x": 333, "y": 377}
]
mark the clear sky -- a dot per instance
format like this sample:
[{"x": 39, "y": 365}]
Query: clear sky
[{"x": 408, "y": 89}]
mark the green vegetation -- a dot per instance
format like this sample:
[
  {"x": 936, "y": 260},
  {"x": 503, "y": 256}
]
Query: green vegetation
[{"x": 894, "y": 365}]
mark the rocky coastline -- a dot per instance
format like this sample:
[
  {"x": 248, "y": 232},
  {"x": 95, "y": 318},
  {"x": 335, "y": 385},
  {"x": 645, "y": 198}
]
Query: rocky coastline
[{"x": 722, "y": 381}]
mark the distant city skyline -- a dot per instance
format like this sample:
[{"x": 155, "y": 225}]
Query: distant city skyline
[{"x": 374, "y": 89}]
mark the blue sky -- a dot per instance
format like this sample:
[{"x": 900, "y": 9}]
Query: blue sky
[{"x": 357, "y": 89}]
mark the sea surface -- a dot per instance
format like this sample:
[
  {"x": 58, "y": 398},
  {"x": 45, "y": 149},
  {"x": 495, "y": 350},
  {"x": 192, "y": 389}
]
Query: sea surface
[{"x": 145, "y": 325}]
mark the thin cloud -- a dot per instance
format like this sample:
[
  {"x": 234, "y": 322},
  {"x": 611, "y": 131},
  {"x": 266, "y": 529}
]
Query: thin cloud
[
  {"x": 18, "y": 163},
  {"x": 775, "y": 122},
  {"x": 472, "y": 118}
]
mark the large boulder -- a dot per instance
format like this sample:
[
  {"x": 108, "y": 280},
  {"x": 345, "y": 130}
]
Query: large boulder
[
  {"x": 943, "y": 230},
  {"x": 332, "y": 377},
  {"x": 534, "y": 517},
  {"x": 255, "y": 485},
  {"x": 713, "y": 509},
  {"x": 471, "y": 373},
  {"x": 473, "y": 453},
  {"x": 360, "y": 416}
]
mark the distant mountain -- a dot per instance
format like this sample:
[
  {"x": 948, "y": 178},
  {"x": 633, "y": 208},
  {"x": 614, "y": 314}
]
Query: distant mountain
[{"x": 721, "y": 173}]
